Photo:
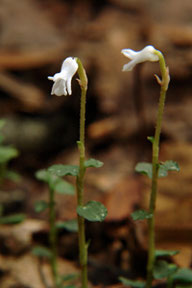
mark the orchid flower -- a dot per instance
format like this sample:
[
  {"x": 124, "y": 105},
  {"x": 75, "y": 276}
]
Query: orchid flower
[
  {"x": 146, "y": 54},
  {"x": 62, "y": 80}
]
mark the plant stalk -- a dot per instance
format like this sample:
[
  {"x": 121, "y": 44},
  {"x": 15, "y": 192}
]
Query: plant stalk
[
  {"x": 155, "y": 166},
  {"x": 80, "y": 178},
  {"x": 53, "y": 236}
]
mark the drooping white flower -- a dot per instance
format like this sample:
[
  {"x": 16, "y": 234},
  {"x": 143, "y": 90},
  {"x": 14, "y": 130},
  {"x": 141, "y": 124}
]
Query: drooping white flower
[
  {"x": 146, "y": 54},
  {"x": 62, "y": 80}
]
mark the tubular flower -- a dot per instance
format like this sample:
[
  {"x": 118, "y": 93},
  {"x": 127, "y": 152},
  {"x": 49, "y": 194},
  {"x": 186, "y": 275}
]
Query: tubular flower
[
  {"x": 62, "y": 80},
  {"x": 146, "y": 54}
]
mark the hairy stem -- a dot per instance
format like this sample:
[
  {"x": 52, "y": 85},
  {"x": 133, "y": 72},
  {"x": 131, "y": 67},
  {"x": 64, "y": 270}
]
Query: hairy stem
[
  {"x": 80, "y": 178},
  {"x": 155, "y": 166},
  {"x": 53, "y": 236}
]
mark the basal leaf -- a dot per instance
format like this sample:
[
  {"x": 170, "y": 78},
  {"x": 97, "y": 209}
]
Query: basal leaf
[
  {"x": 93, "y": 211},
  {"x": 58, "y": 184},
  {"x": 64, "y": 187},
  {"x": 163, "y": 269},
  {"x": 140, "y": 215},
  {"x": 183, "y": 275},
  {"x": 41, "y": 206},
  {"x": 2, "y": 123},
  {"x": 93, "y": 163},
  {"x": 69, "y": 277},
  {"x": 41, "y": 252},
  {"x": 42, "y": 175},
  {"x": 144, "y": 168},
  {"x": 164, "y": 253},
  {"x": 70, "y": 225},
  {"x": 132, "y": 283},
  {"x": 168, "y": 166},
  {"x": 12, "y": 175},
  {"x": 64, "y": 170},
  {"x": 12, "y": 219},
  {"x": 7, "y": 153}
]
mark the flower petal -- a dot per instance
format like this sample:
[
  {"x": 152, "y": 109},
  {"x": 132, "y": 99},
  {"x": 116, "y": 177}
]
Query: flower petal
[
  {"x": 129, "y": 66},
  {"x": 59, "y": 88},
  {"x": 129, "y": 53},
  {"x": 69, "y": 67},
  {"x": 146, "y": 54}
]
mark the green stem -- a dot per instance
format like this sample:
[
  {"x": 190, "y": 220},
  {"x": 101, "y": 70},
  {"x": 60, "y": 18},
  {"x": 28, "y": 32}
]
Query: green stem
[
  {"x": 53, "y": 235},
  {"x": 80, "y": 177},
  {"x": 155, "y": 162},
  {"x": 170, "y": 281}
]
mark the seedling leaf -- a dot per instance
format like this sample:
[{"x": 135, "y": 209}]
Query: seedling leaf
[
  {"x": 132, "y": 283},
  {"x": 164, "y": 253},
  {"x": 144, "y": 168},
  {"x": 141, "y": 215},
  {"x": 63, "y": 187},
  {"x": 64, "y": 170},
  {"x": 168, "y": 166},
  {"x": 93, "y": 163},
  {"x": 12, "y": 175},
  {"x": 70, "y": 225},
  {"x": 163, "y": 269},
  {"x": 7, "y": 153},
  {"x": 183, "y": 275},
  {"x": 2, "y": 123},
  {"x": 92, "y": 211},
  {"x": 41, "y": 252},
  {"x": 41, "y": 206},
  {"x": 12, "y": 219}
]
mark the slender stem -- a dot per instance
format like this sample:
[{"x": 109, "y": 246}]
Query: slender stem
[
  {"x": 80, "y": 177},
  {"x": 155, "y": 165},
  {"x": 53, "y": 235}
]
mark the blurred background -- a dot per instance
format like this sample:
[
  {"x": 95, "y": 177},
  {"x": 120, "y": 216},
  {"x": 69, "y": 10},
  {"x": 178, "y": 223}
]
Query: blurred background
[{"x": 35, "y": 37}]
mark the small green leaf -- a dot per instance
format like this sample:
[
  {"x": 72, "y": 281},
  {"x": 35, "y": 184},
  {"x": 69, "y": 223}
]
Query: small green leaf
[
  {"x": 7, "y": 153},
  {"x": 151, "y": 139},
  {"x": 141, "y": 215},
  {"x": 93, "y": 163},
  {"x": 41, "y": 252},
  {"x": 166, "y": 166},
  {"x": 64, "y": 170},
  {"x": 164, "y": 253},
  {"x": 12, "y": 219},
  {"x": 42, "y": 175},
  {"x": 2, "y": 123},
  {"x": 41, "y": 206},
  {"x": 70, "y": 225},
  {"x": 12, "y": 175},
  {"x": 163, "y": 269},
  {"x": 1, "y": 138},
  {"x": 1, "y": 210},
  {"x": 63, "y": 187},
  {"x": 183, "y": 275},
  {"x": 69, "y": 277},
  {"x": 92, "y": 211},
  {"x": 132, "y": 283},
  {"x": 144, "y": 168}
]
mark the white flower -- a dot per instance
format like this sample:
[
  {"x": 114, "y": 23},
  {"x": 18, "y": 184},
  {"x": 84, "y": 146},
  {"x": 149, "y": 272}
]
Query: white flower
[
  {"x": 146, "y": 54},
  {"x": 62, "y": 80}
]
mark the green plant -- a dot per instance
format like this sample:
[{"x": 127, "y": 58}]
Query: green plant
[
  {"x": 155, "y": 169},
  {"x": 7, "y": 153},
  {"x": 55, "y": 184},
  {"x": 93, "y": 210}
]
